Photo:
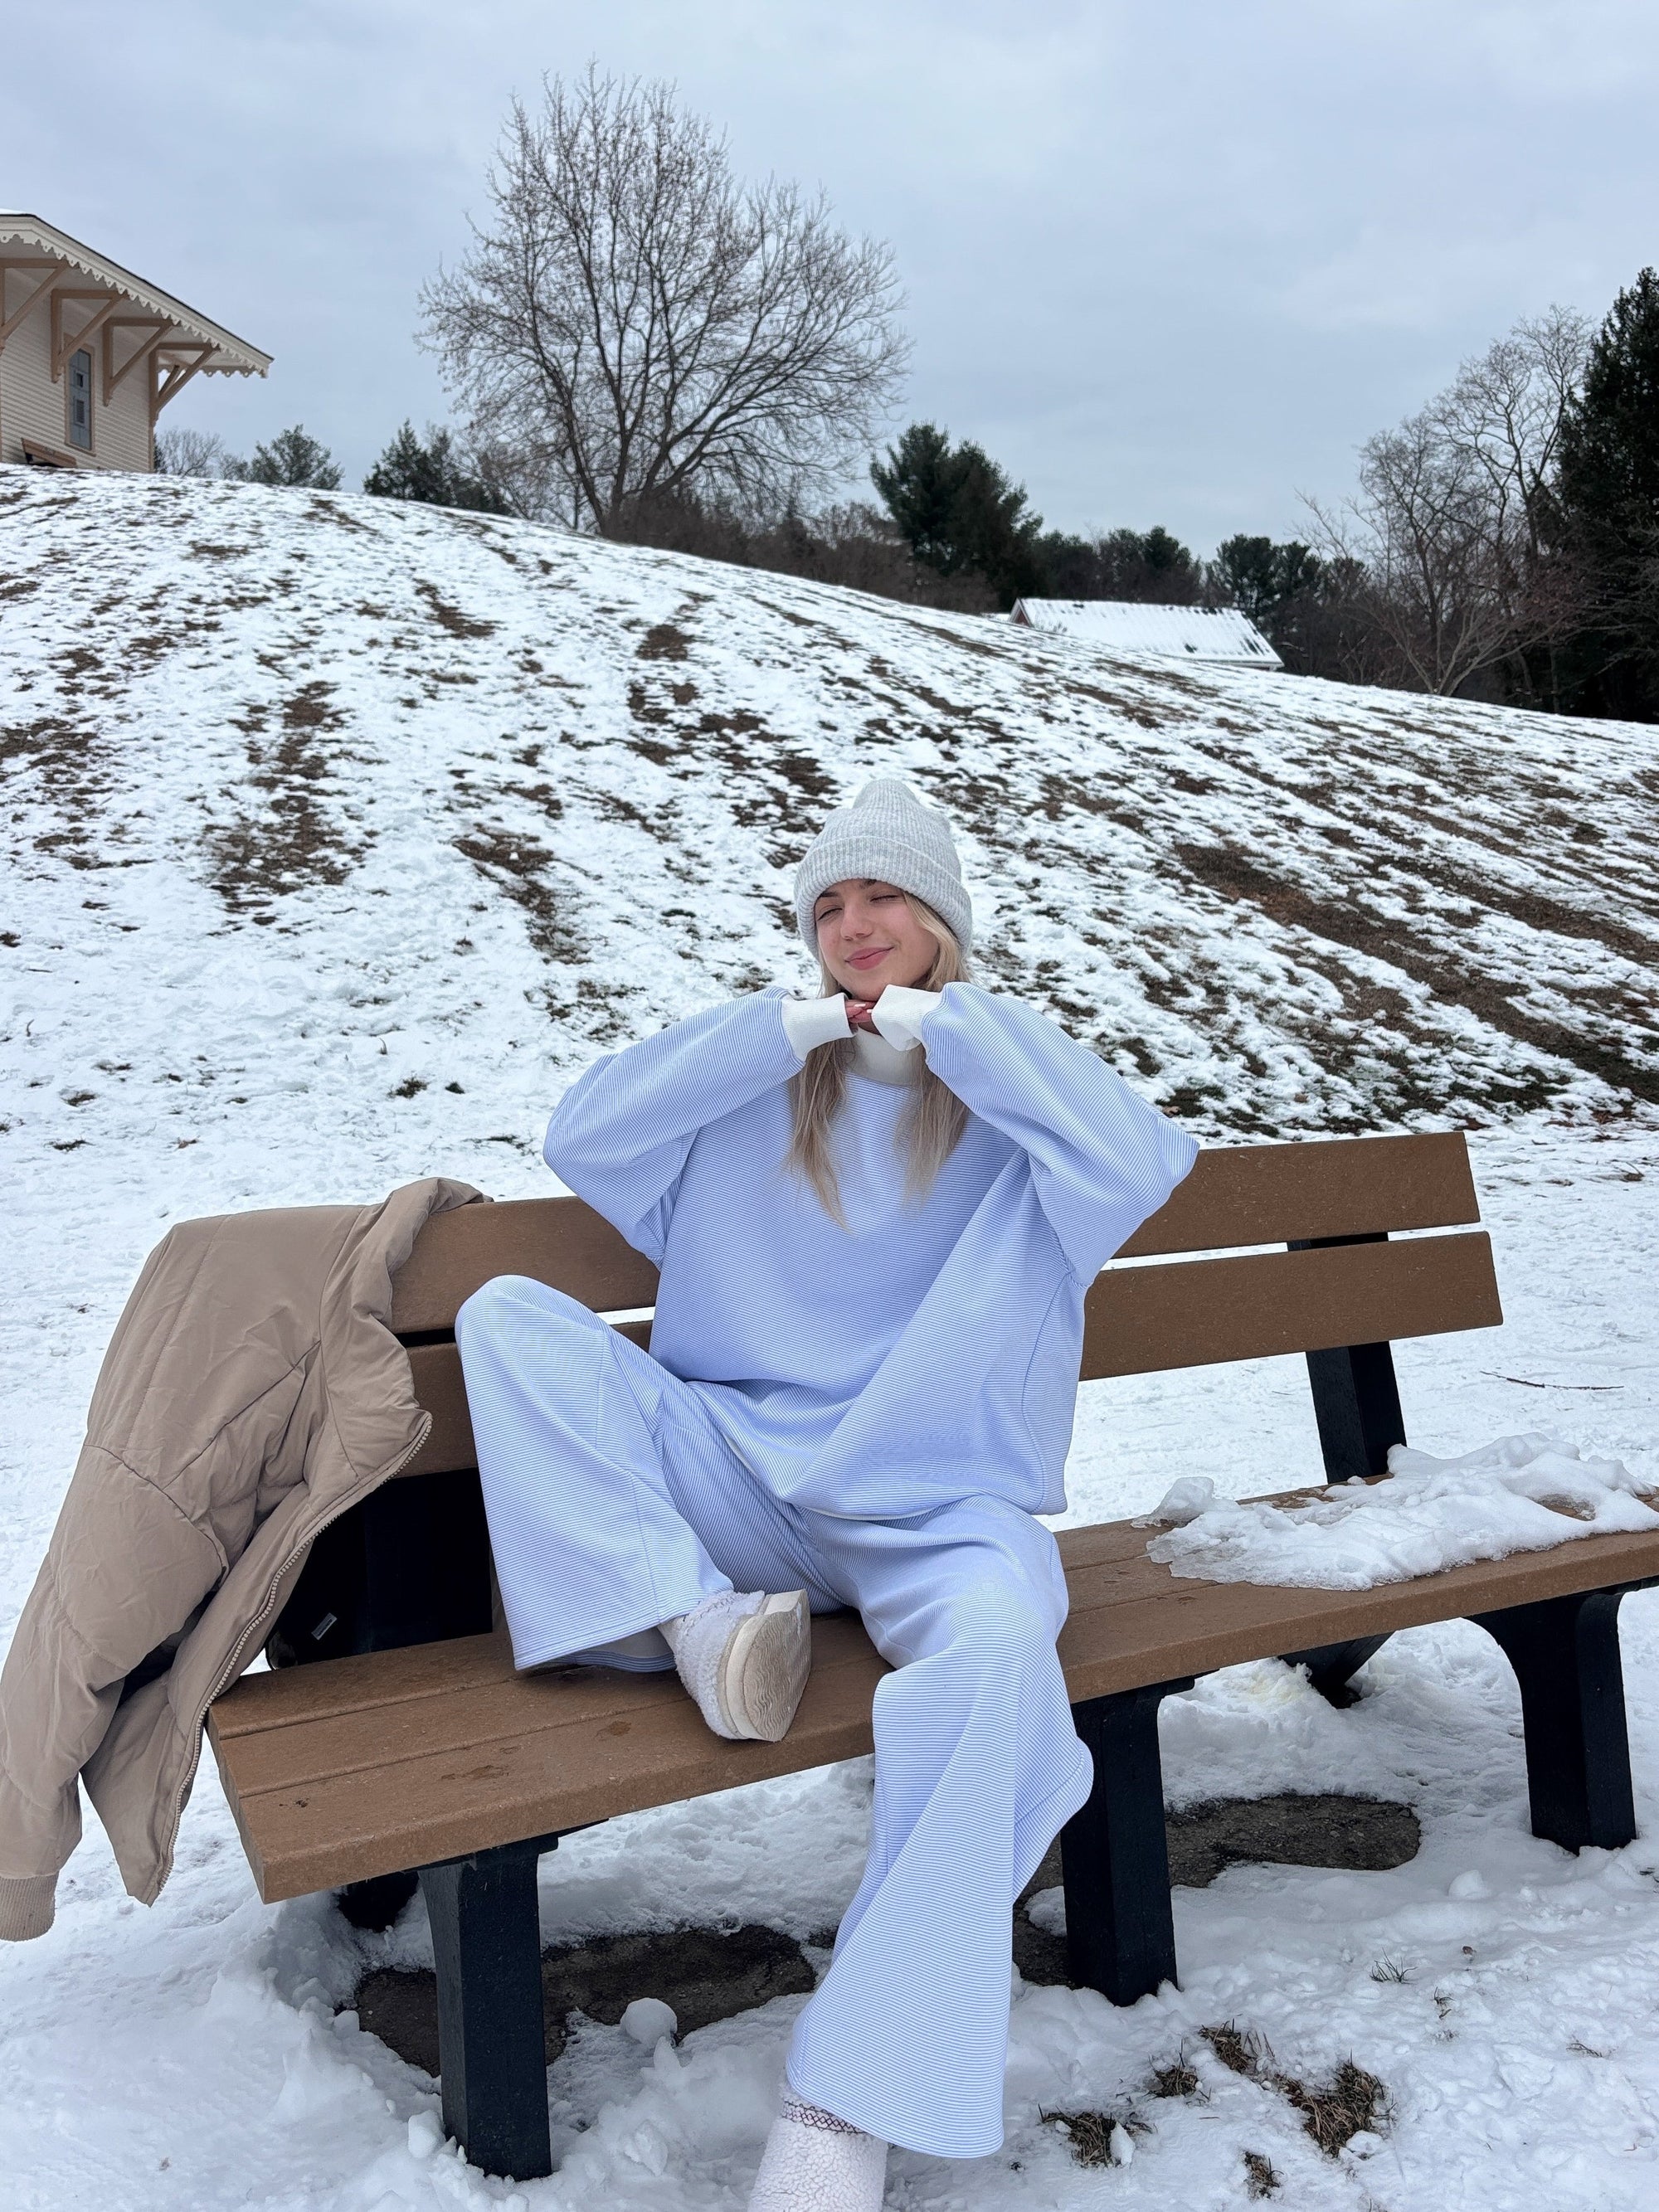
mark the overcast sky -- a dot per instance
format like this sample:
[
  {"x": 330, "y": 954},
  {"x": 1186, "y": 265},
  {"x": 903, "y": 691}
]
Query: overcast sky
[{"x": 1168, "y": 261}]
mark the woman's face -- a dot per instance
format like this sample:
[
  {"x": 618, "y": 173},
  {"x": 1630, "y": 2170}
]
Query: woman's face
[{"x": 868, "y": 937}]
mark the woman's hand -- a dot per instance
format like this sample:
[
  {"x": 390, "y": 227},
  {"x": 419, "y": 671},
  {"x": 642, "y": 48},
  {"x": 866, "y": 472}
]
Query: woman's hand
[{"x": 861, "y": 1015}]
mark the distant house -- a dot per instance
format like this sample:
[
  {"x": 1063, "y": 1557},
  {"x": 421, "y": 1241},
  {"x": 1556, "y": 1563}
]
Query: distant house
[
  {"x": 1220, "y": 637},
  {"x": 90, "y": 354}
]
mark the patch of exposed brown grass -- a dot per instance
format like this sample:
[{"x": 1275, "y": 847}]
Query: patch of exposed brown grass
[
  {"x": 451, "y": 618},
  {"x": 1178, "y": 2079},
  {"x": 1090, "y": 2133},
  {"x": 1260, "y": 2175},
  {"x": 1352, "y": 2102}
]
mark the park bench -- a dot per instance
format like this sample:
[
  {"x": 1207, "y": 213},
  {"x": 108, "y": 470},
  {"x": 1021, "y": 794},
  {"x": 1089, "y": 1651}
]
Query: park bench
[{"x": 411, "y": 1744}]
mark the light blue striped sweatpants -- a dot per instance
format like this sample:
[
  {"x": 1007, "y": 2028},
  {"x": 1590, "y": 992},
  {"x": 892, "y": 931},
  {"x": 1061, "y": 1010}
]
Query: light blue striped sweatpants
[{"x": 615, "y": 1503}]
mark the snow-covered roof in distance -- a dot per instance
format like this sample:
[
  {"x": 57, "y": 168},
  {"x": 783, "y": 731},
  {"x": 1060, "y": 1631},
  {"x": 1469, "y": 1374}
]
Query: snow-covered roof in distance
[
  {"x": 1213, "y": 634},
  {"x": 25, "y": 237}
]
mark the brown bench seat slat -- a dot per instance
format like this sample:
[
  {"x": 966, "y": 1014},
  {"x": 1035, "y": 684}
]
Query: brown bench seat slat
[
  {"x": 566, "y": 1752},
  {"x": 319, "y": 1765},
  {"x": 1156, "y": 1625},
  {"x": 491, "y": 1704},
  {"x": 1142, "y": 1320},
  {"x": 1150, "y": 1639},
  {"x": 298, "y": 1696}
]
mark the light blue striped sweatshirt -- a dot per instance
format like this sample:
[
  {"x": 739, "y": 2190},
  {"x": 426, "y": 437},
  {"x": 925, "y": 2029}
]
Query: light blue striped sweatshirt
[{"x": 928, "y": 1351}]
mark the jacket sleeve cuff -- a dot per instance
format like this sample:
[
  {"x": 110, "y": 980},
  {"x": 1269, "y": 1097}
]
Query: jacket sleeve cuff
[
  {"x": 900, "y": 1013},
  {"x": 810, "y": 1022},
  {"x": 26, "y": 1904}
]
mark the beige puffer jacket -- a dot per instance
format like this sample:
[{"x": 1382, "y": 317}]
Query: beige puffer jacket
[{"x": 252, "y": 1392}]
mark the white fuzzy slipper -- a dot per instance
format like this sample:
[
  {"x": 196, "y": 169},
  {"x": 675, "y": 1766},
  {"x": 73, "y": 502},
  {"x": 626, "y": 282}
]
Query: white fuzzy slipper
[{"x": 745, "y": 1656}]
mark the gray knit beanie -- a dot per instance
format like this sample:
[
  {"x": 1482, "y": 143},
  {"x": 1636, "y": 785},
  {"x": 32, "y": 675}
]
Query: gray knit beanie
[{"x": 887, "y": 835}]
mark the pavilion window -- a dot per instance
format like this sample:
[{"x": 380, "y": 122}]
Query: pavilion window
[{"x": 79, "y": 400}]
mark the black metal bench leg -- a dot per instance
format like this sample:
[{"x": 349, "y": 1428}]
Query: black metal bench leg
[
  {"x": 486, "y": 1940},
  {"x": 1356, "y": 1402},
  {"x": 1564, "y": 1651},
  {"x": 1332, "y": 1667},
  {"x": 1115, "y": 1853}
]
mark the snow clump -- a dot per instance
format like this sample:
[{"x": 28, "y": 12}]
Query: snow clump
[{"x": 1520, "y": 1494}]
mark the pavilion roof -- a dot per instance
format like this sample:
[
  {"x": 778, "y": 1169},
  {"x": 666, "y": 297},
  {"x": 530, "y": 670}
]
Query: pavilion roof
[{"x": 29, "y": 242}]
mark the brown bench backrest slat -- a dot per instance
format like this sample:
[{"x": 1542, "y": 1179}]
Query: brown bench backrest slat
[
  {"x": 1284, "y": 1194},
  {"x": 440, "y": 1389},
  {"x": 1141, "y": 1320},
  {"x": 559, "y": 1241},
  {"x": 1242, "y": 1194}
]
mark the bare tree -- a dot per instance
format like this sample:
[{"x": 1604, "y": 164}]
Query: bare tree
[
  {"x": 186, "y": 453},
  {"x": 851, "y": 543},
  {"x": 1419, "y": 524},
  {"x": 1505, "y": 412},
  {"x": 521, "y": 473},
  {"x": 638, "y": 325},
  {"x": 1449, "y": 522}
]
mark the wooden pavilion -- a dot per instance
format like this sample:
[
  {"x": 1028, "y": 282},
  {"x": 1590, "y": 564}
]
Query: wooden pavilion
[{"x": 90, "y": 354}]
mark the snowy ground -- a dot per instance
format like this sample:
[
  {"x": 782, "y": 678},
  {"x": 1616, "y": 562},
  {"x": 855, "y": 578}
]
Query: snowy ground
[{"x": 292, "y": 914}]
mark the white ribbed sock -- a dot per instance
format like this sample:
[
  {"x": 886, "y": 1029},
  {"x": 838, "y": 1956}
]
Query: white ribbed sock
[
  {"x": 644, "y": 1650},
  {"x": 814, "y": 2162}
]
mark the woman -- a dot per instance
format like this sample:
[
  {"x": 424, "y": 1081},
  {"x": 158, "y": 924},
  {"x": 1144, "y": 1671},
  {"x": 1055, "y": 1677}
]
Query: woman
[{"x": 876, "y": 1213}]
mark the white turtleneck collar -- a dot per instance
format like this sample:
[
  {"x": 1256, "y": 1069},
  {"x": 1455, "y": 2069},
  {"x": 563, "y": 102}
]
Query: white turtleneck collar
[{"x": 882, "y": 1062}]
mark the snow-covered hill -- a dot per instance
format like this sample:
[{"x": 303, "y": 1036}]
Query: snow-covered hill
[
  {"x": 340, "y": 834},
  {"x": 357, "y": 756}
]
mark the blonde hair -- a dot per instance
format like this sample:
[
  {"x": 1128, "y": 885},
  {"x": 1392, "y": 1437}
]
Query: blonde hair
[{"x": 932, "y": 1122}]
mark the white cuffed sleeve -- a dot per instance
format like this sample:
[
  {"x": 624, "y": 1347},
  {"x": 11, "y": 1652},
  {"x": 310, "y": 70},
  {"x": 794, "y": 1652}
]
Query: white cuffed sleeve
[
  {"x": 1102, "y": 1160},
  {"x": 620, "y": 1135},
  {"x": 808, "y": 1022},
  {"x": 901, "y": 1011}
]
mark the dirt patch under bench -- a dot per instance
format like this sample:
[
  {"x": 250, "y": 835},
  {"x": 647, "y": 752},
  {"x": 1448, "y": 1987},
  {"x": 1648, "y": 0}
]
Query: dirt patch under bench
[{"x": 707, "y": 1974}]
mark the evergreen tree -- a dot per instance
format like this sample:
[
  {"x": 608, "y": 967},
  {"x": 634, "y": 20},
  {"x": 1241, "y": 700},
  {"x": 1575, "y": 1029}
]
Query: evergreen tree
[
  {"x": 1261, "y": 578},
  {"x": 1313, "y": 613},
  {"x": 919, "y": 486},
  {"x": 992, "y": 534},
  {"x": 1070, "y": 567},
  {"x": 433, "y": 473},
  {"x": 293, "y": 457},
  {"x": 1148, "y": 566},
  {"x": 1608, "y": 489},
  {"x": 958, "y": 512},
  {"x": 1166, "y": 556}
]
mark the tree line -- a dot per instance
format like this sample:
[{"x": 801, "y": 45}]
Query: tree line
[{"x": 640, "y": 345}]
